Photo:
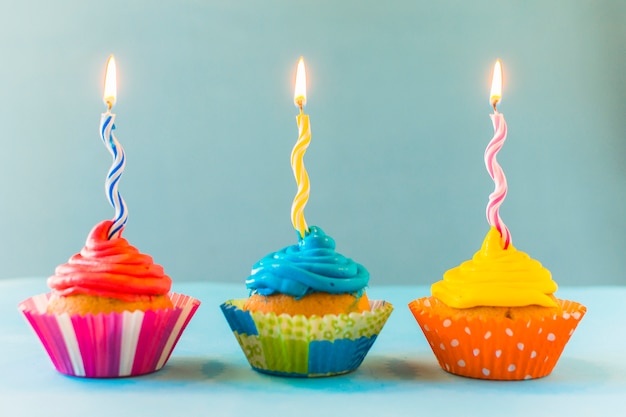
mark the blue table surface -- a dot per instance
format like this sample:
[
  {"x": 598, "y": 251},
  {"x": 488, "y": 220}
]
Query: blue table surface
[{"x": 209, "y": 374}]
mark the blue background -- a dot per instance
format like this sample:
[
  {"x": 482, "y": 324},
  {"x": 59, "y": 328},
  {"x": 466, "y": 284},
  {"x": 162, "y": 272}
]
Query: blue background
[{"x": 398, "y": 98}]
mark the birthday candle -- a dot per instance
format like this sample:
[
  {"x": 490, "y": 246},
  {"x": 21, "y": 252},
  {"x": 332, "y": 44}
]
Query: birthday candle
[
  {"x": 119, "y": 157},
  {"x": 297, "y": 154},
  {"x": 495, "y": 170}
]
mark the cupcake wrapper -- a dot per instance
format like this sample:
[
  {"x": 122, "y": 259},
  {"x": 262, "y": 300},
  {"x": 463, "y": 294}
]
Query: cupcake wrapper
[
  {"x": 497, "y": 349},
  {"x": 109, "y": 345},
  {"x": 298, "y": 346}
]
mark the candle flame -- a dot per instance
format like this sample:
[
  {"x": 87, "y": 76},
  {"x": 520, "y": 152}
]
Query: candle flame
[
  {"x": 110, "y": 83},
  {"x": 496, "y": 85},
  {"x": 299, "y": 96}
]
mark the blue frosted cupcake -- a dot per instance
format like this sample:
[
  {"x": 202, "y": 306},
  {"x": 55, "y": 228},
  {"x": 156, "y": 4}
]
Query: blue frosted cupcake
[{"x": 308, "y": 314}]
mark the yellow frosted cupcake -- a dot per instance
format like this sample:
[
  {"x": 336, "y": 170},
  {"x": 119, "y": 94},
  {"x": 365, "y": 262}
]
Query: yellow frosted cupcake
[{"x": 496, "y": 316}]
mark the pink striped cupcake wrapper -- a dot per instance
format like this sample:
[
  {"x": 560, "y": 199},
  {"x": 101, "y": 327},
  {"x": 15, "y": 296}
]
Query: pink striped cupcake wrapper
[{"x": 109, "y": 345}]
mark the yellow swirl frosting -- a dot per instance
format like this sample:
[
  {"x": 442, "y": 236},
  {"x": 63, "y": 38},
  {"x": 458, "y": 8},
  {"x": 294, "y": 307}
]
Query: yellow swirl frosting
[{"x": 496, "y": 277}]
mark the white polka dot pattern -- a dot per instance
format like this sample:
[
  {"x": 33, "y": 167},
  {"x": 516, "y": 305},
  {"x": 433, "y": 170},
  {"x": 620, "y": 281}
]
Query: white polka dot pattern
[{"x": 502, "y": 349}]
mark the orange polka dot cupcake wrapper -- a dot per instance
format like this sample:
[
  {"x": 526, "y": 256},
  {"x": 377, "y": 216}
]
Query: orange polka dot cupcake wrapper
[{"x": 497, "y": 349}]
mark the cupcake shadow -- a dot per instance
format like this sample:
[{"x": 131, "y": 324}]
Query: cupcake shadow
[
  {"x": 191, "y": 369},
  {"x": 376, "y": 373},
  {"x": 576, "y": 375},
  {"x": 572, "y": 375},
  {"x": 394, "y": 369}
]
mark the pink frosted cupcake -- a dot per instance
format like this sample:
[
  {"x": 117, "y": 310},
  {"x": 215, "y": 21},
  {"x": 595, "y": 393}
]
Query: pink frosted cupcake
[{"x": 110, "y": 312}]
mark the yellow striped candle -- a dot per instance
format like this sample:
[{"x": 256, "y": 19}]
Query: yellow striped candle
[{"x": 297, "y": 154}]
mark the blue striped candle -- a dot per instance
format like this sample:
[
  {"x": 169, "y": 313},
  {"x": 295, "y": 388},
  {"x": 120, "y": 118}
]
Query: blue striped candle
[{"x": 107, "y": 126}]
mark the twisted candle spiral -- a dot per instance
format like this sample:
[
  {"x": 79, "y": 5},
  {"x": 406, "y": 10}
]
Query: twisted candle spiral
[
  {"x": 302, "y": 177},
  {"x": 117, "y": 169},
  {"x": 497, "y": 174}
]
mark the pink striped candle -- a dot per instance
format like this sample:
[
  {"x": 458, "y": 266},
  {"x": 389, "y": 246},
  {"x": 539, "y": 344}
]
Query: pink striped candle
[{"x": 495, "y": 170}]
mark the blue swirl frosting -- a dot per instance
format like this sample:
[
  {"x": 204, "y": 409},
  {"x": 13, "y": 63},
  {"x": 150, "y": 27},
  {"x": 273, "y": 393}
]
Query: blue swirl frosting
[{"x": 310, "y": 266}]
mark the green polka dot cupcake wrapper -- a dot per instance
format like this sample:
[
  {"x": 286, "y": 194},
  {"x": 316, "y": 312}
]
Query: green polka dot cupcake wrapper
[{"x": 305, "y": 347}]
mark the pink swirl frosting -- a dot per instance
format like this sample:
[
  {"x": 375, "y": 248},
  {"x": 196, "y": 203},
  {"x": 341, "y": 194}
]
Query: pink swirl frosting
[{"x": 110, "y": 268}]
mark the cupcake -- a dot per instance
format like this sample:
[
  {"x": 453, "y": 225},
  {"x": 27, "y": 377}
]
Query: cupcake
[
  {"x": 110, "y": 312},
  {"x": 496, "y": 316},
  {"x": 308, "y": 314}
]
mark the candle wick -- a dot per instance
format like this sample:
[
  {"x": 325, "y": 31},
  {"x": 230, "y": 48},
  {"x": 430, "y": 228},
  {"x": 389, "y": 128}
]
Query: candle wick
[
  {"x": 494, "y": 103},
  {"x": 109, "y": 106}
]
